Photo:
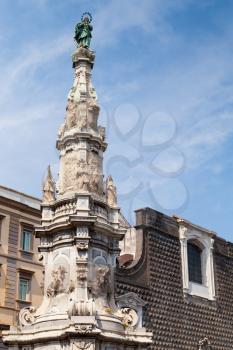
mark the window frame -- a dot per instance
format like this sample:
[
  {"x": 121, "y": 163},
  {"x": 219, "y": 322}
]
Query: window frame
[
  {"x": 205, "y": 241},
  {"x": 29, "y": 229},
  {"x": 2, "y": 217},
  {"x": 28, "y": 278}
]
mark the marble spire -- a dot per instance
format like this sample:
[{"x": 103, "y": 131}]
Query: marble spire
[
  {"x": 81, "y": 141},
  {"x": 79, "y": 240}
]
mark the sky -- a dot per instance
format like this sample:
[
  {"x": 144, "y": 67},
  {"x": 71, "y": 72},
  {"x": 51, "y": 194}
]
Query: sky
[{"x": 164, "y": 78}]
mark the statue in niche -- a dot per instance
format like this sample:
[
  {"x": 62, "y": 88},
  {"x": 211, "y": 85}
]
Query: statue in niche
[
  {"x": 57, "y": 284},
  {"x": 111, "y": 192},
  {"x": 49, "y": 188},
  {"x": 83, "y": 31}
]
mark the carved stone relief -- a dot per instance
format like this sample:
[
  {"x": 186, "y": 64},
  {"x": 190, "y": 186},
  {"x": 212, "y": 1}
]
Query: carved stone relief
[
  {"x": 101, "y": 285},
  {"x": 70, "y": 114},
  {"x": 81, "y": 116},
  {"x": 83, "y": 344},
  {"x": 84, "y": 328},
  {"x": 82, "y": 245},
  {"x": 60, "y": 277},
  {"x": 129, "y": 317},
  {"x": 57, "y": 284}
]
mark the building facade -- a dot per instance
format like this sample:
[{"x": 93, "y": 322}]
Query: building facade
[
  {"x": 21, "y": 273},
  {"x": 184, "y": 273}
]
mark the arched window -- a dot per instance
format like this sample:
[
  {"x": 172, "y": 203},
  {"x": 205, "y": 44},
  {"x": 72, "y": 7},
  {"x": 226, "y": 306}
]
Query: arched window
[{"x": 194, "y": 263}]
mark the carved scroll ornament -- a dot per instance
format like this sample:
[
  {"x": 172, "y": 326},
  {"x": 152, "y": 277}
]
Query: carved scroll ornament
[
  {"x": 129, "y": 317},
  {"x": 27, "y": 316}
]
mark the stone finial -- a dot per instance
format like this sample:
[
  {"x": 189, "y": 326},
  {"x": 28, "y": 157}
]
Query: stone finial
[
  {"x": 49, "y": 190},
  {"x": 111, "y": 192}
]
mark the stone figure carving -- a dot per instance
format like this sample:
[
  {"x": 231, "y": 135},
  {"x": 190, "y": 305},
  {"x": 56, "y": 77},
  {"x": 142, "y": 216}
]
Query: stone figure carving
[
  {"x": 94, "y": 159},
  {"x": 101, "y": 287},
  {"x": 70, "y": 114},
  {"x": 82, "y": 175},
  {"x": 82, "y": 181},
  {"x": 101, "y": 130},
  {"x": 94, "y": 183},
  {"x": 102, "y": 278},
  {"x": 93, "y": 112},
  {"x": 69, "y": 172},
  {"x": 82, "y": 245},
  {"x": 83, "y": 31},
  {"x": 58, "y": 277},
  {"x": 111, "y": 192},
  {"x": 71, "y": 286},
  {"x": 204, "y": 344},
  {"x": 49, "y": 188},
  {"x": 81, "y": 117},
  {"x": 27, "y": 316}
]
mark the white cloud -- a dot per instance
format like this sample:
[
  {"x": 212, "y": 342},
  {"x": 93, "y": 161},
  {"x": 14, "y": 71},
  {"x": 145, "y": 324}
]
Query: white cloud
[
  {"x": 17, "y": 76},
  {"x": 149, "y": 16}
]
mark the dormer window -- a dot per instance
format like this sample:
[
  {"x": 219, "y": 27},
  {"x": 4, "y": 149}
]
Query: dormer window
[
  {"x": 194, "y": 263},
  {"x": 197, "y": 260}
]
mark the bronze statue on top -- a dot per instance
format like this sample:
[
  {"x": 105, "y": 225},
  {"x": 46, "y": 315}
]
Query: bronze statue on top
[{"x": 83, "y": 31}]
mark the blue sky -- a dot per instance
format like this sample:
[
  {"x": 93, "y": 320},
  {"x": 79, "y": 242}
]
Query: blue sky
[{"x": 164, "y": 78}]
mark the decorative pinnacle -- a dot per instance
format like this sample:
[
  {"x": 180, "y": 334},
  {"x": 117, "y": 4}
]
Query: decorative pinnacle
[
  {"x": 49, "y": 191},
  {"x": 83, "y": 31}
]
